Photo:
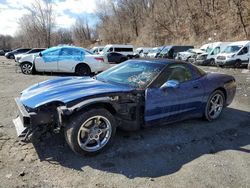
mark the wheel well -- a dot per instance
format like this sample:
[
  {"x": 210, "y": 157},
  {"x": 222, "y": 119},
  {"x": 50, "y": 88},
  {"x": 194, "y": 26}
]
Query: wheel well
[
  {"x": 223, "y": 91},
  {"x": 26, "y": 62},
  {"x": 80, "y": 64},
  {"x": 107, "y": 106}
]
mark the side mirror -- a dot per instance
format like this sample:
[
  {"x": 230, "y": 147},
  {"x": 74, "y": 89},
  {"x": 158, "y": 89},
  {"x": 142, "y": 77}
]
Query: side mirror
[
  {"x": 170, "y": 84},
  {"x": 40, "y": 54}
]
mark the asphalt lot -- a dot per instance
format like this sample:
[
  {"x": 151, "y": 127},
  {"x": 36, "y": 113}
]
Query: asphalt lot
[{"x": 193, "y": 153}]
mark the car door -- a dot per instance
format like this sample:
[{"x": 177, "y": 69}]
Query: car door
[
  {"x": 69, "y": 58},
  {"x": 48, "y": 60},
  {"x": 171, "y": 104}
]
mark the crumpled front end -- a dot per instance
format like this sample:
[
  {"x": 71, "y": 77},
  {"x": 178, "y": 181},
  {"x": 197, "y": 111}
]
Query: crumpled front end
[{"x": 29, "y": 120}]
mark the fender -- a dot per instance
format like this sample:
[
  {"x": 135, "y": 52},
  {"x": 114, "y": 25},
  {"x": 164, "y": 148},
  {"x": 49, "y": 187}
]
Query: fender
[{"x": 63, "y": 110}]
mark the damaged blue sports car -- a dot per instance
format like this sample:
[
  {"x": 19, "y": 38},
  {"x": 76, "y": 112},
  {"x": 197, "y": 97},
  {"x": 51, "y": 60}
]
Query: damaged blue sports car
[{"x": 131, "y": 95}]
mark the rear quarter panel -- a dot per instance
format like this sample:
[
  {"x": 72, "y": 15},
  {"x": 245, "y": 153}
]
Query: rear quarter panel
[{"x": 224, "y": 82}]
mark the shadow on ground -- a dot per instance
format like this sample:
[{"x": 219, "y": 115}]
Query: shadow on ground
[{"x": 157, "y": 151}]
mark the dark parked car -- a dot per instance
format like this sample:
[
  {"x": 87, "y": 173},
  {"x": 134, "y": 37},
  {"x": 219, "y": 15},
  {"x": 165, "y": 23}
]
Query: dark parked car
[
  {"x": 32, "y": 51},
  {"x": 170, "y": 52},
  {"x": 116, "y": 58},
  {"x": 131, "y": 95},
  {"x": 11, "y": 54},
  {"x": 2, "y": 52}
]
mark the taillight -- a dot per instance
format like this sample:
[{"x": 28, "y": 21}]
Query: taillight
[{"x": 99, "y": 59}]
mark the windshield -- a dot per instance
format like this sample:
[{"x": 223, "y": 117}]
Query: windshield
[
  {"x": 165, "y": 50},
  {"x": 209, "y": 49},
  {"x": 232, "y": 49},
  {"x": 105, "y": 49},
  {"x": 132, "y": 74}
]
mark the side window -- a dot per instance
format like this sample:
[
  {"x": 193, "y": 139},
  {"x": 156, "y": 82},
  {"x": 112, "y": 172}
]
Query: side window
[
  {"x": 243, "y": 51},
  {"x": 117, "y": 50},
  {"x": 179, "y": 72},
  {"x": 52, "y": 53}
]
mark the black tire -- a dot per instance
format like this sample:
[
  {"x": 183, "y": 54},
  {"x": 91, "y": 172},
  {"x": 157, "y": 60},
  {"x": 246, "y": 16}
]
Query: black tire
[
  {"x": 208, "y": 116},
  {"x": 237, "y": 64},
  {"x": 83, "y": 70},
  {"x": 212, "y": 62},
  {"x": 76, "y": 122},
  {"x": 26, "y": 68},
  {"x": 12, "y": 56}
]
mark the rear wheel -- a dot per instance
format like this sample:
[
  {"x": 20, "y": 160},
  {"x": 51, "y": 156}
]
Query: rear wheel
[
  {"x": 214, "y": 105},
  {"x": 90, "y": 132},
  {"x": 83, "y": 70},
  {"x": 26, "y": 68}
]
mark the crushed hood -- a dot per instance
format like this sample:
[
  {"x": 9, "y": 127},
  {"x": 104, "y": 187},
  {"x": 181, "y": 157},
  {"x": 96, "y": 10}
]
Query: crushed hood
[{"x": 66, "y": 89}]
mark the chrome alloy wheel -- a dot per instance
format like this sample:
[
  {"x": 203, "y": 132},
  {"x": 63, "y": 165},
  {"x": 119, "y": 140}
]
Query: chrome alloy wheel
[
  {"x": 94, "y": 133},
  {"x": 215, "y": 106},
  {"x": 26, "y": 68}
]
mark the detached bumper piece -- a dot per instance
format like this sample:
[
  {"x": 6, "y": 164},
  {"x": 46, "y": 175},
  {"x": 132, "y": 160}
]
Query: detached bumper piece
[
  {"x": 28, "y": 122},
  {"x": 22, "y": 122}
]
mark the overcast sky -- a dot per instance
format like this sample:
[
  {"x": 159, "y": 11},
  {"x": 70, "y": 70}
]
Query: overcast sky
[{"x": 66, "y": 13}]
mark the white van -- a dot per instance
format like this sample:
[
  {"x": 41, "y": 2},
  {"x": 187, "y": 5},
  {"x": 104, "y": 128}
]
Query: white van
[
  {"x": 142, "y": 52},
  {"x": 212, "y": 51},
  {"x": 236, "y": 54},
  {"x": 127, "y": 50}
]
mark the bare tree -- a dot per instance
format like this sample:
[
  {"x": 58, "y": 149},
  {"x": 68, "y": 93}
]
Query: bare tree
[{"x": 38, "y": 24}]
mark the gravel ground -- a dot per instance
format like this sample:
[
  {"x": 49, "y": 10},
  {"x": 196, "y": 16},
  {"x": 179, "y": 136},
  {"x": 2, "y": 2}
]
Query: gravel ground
[{"x": 192, "y": 153}]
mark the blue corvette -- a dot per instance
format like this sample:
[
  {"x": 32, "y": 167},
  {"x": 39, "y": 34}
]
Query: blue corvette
[{"x": 131, "y": 95}]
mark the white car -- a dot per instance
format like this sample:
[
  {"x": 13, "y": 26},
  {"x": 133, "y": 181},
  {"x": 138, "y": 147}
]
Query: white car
[
  {"x": 154, "y": 52},
  {"x": 141, "y": 52},
  {"x": 32, "y": 51},
  {"x": 184, "y": 56},
  {"x": 67, "y": 59}
]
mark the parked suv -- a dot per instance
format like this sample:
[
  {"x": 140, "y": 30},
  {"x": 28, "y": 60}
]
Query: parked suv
[
  {"x": 3, "y": 51},
  {"x": 11, "y": 55}
]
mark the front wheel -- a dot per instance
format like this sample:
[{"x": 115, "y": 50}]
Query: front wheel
[
  {"x": 212, "y": 62},
  {"x": 90, "y": 132},
  {"x": 26, "y": 68},
  {"x": 214, "y": 105}
]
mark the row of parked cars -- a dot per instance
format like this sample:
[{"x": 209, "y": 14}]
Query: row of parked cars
[
  {"x": 222, "y": 54},
  {"x": 72, "y": 59}
]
